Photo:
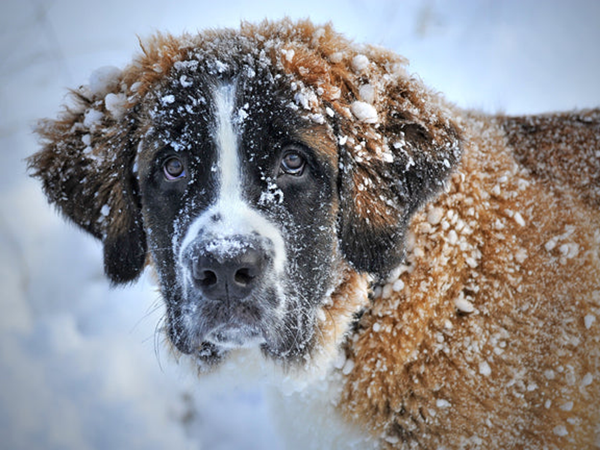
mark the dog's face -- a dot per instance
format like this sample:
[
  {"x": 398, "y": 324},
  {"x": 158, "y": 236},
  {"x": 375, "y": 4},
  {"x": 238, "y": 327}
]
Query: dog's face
[
  {"x": 255, "y": 170},
  {"x": 239, "y": 199}
]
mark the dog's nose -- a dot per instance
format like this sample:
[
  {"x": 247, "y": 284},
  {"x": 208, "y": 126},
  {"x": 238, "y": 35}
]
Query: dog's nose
[{"x": 228, "y": 272}]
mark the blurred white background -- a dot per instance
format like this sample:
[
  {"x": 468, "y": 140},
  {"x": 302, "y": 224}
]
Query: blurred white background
[{"x": 80, "y": 364}]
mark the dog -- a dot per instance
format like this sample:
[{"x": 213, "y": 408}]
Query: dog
[{"x": 427, "y": 277}]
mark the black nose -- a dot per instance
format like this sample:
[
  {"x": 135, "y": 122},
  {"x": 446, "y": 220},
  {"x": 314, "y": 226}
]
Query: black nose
[{"x": 225, "y": 270}]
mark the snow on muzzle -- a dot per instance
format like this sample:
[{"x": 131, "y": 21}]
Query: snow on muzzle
[
  {"x": 231, "y": 296},
  {"x": 230, "y": 268}
]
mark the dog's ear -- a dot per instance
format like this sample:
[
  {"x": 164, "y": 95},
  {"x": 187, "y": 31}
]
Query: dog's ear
[
  {"x": 397, "y": 141},
  {"x": 398, "y": 146},
  {"x": 86, "y": 168}
]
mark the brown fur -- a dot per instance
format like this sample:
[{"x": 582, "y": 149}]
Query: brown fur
[
  {"x": 488, "y": 335},
  {"x": 523, "y": 364}
]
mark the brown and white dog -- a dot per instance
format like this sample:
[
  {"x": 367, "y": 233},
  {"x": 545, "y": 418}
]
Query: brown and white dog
[{"x": 429, "y": 276}]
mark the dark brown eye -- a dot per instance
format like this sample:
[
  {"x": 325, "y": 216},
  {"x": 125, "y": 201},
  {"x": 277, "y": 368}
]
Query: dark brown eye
[
  {"x": 173, "y": 169},
  {"x": 292, "y": 163}
]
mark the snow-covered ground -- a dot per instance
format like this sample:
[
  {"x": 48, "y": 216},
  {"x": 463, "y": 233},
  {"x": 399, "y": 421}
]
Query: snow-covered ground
[{"x": 81, "y": 366}]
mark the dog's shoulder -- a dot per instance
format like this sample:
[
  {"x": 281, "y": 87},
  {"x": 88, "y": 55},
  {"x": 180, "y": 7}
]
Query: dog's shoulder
[{"x": 498, "y": 294}]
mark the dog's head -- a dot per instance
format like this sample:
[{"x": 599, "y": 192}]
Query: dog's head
[{"x": 257, "y": 170}]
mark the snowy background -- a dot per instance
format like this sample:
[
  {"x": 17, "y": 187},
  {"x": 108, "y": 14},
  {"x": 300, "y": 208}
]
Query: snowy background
[{"x": 81, "y": 366}]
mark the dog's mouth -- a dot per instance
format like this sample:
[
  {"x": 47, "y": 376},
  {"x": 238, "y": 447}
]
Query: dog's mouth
[
  {"x": 209, "y": 331},
  {"x": 235, "y": 335},
  {"x": 195, "y": 323}
]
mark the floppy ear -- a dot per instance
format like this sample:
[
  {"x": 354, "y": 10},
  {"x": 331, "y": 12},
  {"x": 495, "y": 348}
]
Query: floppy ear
[
  {"x": 86, "y": 168},
  {"x": 398, "y": 148},
  {"x": 397, "y": 142}
]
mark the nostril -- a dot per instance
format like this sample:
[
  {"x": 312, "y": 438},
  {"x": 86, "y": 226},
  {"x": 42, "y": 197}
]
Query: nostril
[
  {"x": 207, "y": 278},
  {"x": 244, "y": 276}
]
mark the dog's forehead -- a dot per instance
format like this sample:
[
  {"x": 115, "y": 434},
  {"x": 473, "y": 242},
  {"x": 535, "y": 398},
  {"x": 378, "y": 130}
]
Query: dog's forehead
[
  {"x": 268, "y": 104},
  {"x": 188, "y": 89}
]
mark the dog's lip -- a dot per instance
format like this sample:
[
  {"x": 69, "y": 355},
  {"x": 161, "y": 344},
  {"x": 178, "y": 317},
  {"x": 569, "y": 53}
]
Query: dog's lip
[
  {"x": 235, "y": 335},
  {"x": 227, "y": 333}
]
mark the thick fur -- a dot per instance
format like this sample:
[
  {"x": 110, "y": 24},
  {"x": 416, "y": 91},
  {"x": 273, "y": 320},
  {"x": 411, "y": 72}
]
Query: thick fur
[{"x": 480, "y": 234}]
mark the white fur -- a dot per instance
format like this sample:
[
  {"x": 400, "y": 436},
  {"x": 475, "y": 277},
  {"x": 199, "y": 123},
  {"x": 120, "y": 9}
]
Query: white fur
[{"x": 237, "y": 217}]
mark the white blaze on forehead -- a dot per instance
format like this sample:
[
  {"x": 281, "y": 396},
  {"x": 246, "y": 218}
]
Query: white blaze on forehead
[
  {"x": 227, "y": 144},
  {"x": 235, "y": 216}
]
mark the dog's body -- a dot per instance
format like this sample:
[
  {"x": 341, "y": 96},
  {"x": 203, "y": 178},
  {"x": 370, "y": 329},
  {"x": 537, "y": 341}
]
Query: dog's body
[{"x": 430, "y": 276}]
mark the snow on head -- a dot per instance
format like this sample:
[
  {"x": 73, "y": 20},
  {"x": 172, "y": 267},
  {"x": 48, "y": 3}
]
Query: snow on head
[
  {"x": 115, "y": 104},
  {"x": 104, "y": 80},
  {"x": 92, "y": 119},
  {"x": 364, "y": 112},
  {"x": 360, "y": 63},
  {"x": 367, "y": 93}
]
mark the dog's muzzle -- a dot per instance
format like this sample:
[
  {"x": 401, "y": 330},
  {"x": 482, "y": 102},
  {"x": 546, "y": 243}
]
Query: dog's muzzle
[{"x": 228, "y": 297}]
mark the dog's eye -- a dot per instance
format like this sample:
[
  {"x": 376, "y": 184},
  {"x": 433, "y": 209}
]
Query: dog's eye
[
  {"x": 173, "y": 169},
  {"x": 292, "y": 163}
]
